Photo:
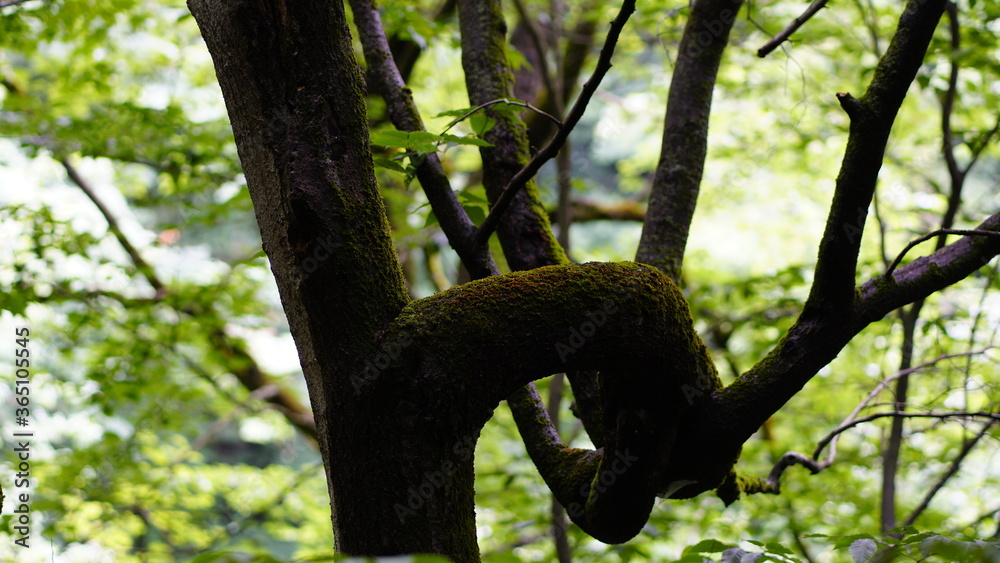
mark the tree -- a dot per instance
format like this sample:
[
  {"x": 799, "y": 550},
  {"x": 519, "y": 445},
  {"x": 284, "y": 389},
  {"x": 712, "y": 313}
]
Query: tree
[
  {"x": 295, "y": 96},
  {"x": 401, "y": 388}
]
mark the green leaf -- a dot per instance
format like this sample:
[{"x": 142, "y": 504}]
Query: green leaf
[
  {"x": 481, "y": 123},
  {"x": 467, "y": 140},
  {"x": 454, "y": 112},
  {"x": 706, "y": 546},
  {"x": 846, "y": 541},
  {"x": 476, "y": 213},
  {"x": 423, "y": 141},
  {"x": 390, "y": 164},
  {"x": 392, "y": 139}
]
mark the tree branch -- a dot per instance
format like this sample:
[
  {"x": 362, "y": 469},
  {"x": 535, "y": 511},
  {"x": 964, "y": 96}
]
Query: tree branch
[
  {"x": 140, "y": 263},
  {"x": 678, "y": 174},
  {"x": 834, "y": 313},
  {"x": 403, "y": 112},
  {"x": 525, "y": 233},
  {"x": 929, "y": 236},
  {"x": 584, "y": 210},
  {"x": 927, "y": 274},
  {"x": 238, "y": 361},
  {"x": 791, "y": 28},
  {"x": 771, "y": 484},
  {"x": 627, "y": 321},
  {"x": 952, "y": 470},
  {"x": 572, "y": 118}
]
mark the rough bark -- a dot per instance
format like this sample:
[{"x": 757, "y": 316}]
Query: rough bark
[
  {"x": 677, "y": 180},
  {"x": 295, "y": 98},
  {"x": 525, "y": 232},
  {"x": 630, "y": 323}
]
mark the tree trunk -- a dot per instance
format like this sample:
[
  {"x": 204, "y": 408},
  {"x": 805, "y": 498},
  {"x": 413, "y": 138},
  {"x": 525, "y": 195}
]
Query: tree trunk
[{"x": 295, "y": 98}]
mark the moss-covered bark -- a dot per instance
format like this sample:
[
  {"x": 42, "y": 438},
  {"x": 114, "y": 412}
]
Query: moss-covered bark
[
  {"x": 525, "y": 232},
  {"x": 477, "y": 343}
]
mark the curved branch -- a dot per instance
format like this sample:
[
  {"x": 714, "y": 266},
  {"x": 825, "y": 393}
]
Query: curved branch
[
  {"x": 518, "y": 103},
  {"x": 929, "y": 236},
  {"x": 904, "y": 414},
  {"x": 814, "y": 464},
  {"x": 628, "y": 321},
  {"x": 928, "y": 274}
]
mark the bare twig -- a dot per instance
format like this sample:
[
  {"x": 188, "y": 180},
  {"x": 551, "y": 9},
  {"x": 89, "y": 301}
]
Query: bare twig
[
  {"x": 983, "y": 142},
  {"x": 814, "y": 464},
  {"x": 932, "y": 234},
  {"x": 952, "y": 469},
  {"x": 144, "y": 268},
  {"x": 940, "y": 415},
  {"x": 519, "y": 103},
  {"x": 572, "y": 118},
  {"x": 784, "y": 34}
]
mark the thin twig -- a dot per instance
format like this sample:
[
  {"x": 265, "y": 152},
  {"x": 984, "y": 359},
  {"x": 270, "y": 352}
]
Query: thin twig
[
  {"x": 952, "y": 469},
  {"x": 507, "y": 101},
  {"x": 144, "y": 268},
  {"x": 984, "y": 142},
  {"x": 814, "y": 464},
  {"x": 572, "y": 118},
  {"x": 784, "y": 34},
  {"x": 932, "y": 234},
  {"x": 248, "y": 372},
  {"x": 902, "y": 414}
]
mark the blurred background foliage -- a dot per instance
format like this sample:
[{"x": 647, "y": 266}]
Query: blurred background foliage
[{"x": 155, "y": 442}]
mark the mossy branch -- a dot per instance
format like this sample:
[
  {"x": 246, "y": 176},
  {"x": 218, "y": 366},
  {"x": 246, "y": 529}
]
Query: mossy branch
[
  {"x": 872, "y": 117},
  {"x": 403, "y": 113},
  {"x": 677, "y": 180},
  {"x": 833, "y": 313},
  {"x": 479, "y": 342}
]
